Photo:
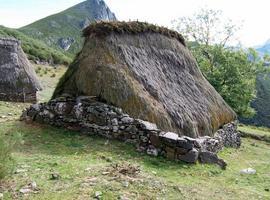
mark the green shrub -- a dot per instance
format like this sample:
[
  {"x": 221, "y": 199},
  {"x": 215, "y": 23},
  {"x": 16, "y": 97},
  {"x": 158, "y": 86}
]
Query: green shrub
[{"x": 6, "y": 161}]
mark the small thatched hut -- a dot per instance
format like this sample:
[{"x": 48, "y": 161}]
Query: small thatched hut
[
  {"x": 18, "y": 81},
  {"x": 148, "y": 72}
]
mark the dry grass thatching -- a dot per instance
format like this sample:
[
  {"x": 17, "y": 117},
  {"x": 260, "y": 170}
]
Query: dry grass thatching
[
  {"x": 18, "y": 80},
  {"x": 150, "y": 76},
  {"x": 103, "y": 28}
]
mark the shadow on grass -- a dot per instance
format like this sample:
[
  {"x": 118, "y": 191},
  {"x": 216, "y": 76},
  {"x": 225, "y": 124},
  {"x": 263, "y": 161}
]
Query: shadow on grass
[{"x": 43, "y": 139}]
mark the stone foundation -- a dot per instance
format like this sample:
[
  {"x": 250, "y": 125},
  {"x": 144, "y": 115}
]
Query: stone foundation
[
  {"x": 19, "y": 97},
  {"x": 89, "y": 116}
]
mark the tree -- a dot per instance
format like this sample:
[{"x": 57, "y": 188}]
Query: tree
[
  {"x": 207, "y": 27},
  {"x": 232, "y": 71}
]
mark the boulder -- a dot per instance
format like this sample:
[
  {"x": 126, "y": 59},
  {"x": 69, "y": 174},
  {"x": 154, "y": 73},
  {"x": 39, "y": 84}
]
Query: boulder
[
  {"x": 148, "y": 72},
  {"x": 190, "y": 157},
  {"x": 207, "y": 157}
]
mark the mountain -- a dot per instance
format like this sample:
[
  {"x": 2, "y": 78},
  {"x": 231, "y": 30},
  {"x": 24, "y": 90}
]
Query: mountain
[
  {"x": 36, "y": 50},
  {"x": 63, "y": 30},
  {"x": 264, "y": 49},
  {"x": 261, "y": 102}
]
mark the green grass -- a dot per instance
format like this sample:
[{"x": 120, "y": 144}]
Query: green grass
[
  {"x": 6, "y": 160},
  {"x": 49, "y": 78},
  {"x": 65, "y": 24},
  {"x": 262, "y": 131},
  {"x": 258, "y": 133},
  {"x": 36, "y": 49},
  {"x": 78, "y": 159}
]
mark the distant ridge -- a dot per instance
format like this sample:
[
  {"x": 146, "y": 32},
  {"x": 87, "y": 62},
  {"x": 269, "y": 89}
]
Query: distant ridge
[
  {"x": 63, "y": 30},
  {"x": 263, "y": 49}
]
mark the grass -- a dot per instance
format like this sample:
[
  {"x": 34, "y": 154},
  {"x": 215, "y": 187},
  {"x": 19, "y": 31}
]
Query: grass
[
  {"x": 262, "y": 131},
  {"x": 86, "y": 165},
  {"x": 6, "y": 161},
  {"x": 49, "y": 78},
  {"x": 258, "y": 133},
  {"x": 79, "y": 158},
  {"x": 65, "y": 24}
]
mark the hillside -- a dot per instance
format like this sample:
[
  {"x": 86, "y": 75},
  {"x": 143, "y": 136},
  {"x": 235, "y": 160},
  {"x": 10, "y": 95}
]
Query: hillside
[
  {"x": 90, "y": 165},
  {"x": 36, "y": 50},
  {"x": 63, "y": 30},
  {"x": 263, "y": 49},
  {"x": 261, "y": 103}
]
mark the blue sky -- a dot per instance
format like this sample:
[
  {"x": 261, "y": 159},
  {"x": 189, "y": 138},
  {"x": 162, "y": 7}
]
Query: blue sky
[{"x": 253, "y": 15}]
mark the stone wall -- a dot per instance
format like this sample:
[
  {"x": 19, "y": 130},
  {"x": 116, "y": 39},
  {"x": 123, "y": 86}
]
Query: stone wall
[
  {"x": 89, "y": 116},
  {"x": 19, "y": 97}
]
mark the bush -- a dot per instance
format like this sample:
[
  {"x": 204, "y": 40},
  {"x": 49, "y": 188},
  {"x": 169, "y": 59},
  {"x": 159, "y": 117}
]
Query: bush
[{"x": 6, "y": 161}]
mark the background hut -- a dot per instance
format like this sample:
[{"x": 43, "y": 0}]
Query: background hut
[{"x": 18, "y": 80}]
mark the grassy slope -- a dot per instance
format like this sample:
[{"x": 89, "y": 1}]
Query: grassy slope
[
  {"x": 52, "y": 35},
  {"x": 61, "y": 25},
  {"x": 47, "y": 150},
  {"x": 255, "y": 130},
  {"x": 35, "y": 49},
  {"x": 79, "y": 158},
  {"x": 67, "y": 24}
]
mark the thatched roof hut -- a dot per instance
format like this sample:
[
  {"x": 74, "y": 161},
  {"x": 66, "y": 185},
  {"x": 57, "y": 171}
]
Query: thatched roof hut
[
  {"x": 148, "y": 72},
  {"x": 18, "y": 81}
]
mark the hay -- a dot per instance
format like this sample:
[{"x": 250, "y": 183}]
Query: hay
[
  {"x": 104, "y": 28},
  {"x": 18, "y": 81},
  {"x": 150, "y": 76}
]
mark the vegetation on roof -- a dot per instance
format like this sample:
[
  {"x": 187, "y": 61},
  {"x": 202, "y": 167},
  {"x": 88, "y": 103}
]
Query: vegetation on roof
[{"x": 103, "y": 28}]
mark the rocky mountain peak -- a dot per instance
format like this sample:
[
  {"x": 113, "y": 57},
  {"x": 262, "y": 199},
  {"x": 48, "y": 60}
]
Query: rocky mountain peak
[
  {"x": 96, "y": 9},
  {"x": 63, "y": 30}
]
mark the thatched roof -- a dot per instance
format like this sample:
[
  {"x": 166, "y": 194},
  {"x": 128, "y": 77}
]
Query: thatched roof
[
  {"x": 17, "y": 75},
  {"x": 150, "y": 76},
  {"x": 104, "y": 28}
]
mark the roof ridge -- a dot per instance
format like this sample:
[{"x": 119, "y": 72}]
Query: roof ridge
[{"x": 104, "y": 28}]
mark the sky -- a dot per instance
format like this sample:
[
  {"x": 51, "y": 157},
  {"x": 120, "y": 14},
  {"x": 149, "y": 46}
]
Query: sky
[{"x": 252, "y": 15}]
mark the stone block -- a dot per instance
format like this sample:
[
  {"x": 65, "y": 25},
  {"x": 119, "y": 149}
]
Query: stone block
[
  {"x": 170, "y": 153},
  {"x": 207, "y": 157},
  {"x": 190, "y": 157},
  {"x": 155, "y": 141}
]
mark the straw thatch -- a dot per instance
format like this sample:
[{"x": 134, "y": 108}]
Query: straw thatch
[
  {"x": 103, "y": 28},
  {"x": 18, "y": 81},
  {"x": 149, "y": 74}
]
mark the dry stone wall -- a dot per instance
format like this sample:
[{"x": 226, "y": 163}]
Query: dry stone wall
[{"x": 89, "y": 116}]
